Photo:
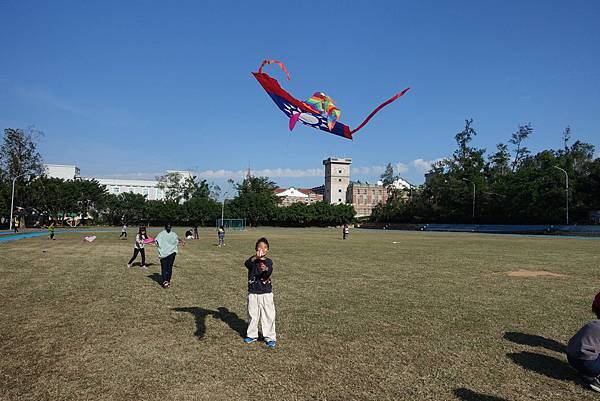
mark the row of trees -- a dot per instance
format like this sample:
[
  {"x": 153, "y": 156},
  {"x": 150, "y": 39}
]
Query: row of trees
[
  {"x": 509, "y": 186},
  {"x": 188, "y": 201}
]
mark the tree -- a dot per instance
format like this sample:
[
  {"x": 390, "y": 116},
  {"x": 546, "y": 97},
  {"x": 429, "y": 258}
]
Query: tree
[
  {"x": 566, "y": 137},
  {"x": 499, "y": 162},
  {"x": 255, "y": 200},
  {"x": 517, "y": 140},
  {"x": 19, "y": 154},
  {"x": 180, "y": 189},
  {"x": 388, "y": 177}
]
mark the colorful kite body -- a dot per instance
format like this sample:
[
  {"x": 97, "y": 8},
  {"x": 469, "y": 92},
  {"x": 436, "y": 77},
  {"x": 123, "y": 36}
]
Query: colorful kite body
[
  {"x": 326, "y": 106},
  {"x": 320, "y": 111}
]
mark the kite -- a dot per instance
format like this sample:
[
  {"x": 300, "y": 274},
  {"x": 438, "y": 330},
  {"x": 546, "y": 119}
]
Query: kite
[
  {"x": 149, "y": 240},
  {"x": 89, "y": 238},
  {"x": 319, "y": 112}
]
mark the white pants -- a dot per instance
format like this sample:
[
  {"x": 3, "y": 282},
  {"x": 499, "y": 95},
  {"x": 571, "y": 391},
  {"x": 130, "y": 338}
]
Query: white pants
[{"x": 261, "y": 307}]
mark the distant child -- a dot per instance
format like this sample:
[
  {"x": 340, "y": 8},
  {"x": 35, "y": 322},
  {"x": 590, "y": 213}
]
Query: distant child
[
  {"x": 583, "y": 350},
  {"x": 189, "y": 235},
  {"x": 260, "y": 295},
  {"x": 16, "y": 223},
  {"x": 123, "y": 232},
  {"x": 138, "y": 247},
  {"x": 51, "y": 231},
  {"x": 196, "y": 235},
  {"x": 221, "y": 235},
  {"x": 345, "y": 231},
  {"x": 167, "y": 242}
]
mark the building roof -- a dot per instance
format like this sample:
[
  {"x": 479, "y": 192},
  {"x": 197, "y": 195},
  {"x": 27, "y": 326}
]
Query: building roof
[
  {"x": 291, "y": 192},
  {"x": 401, "y": 183},
  {"x": 124, "y": 182},
  {"x": 336, "y": 160}
]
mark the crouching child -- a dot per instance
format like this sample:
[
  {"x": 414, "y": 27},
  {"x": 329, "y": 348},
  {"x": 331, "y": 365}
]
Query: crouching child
[{"x": 583, "y": 350}]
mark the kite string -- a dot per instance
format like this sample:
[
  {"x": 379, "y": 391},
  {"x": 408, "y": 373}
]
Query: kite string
[
  {"x": 279, "y": 63},
  {"x": 381, "y": 106}
]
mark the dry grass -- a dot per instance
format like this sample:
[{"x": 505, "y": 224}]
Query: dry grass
[{"x": 382, "y": 316}]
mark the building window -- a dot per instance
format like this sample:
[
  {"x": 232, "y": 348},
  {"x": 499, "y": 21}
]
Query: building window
[
  {"x": 339, "y": 180},
  {"x": 340, "y": 171},
  {"x": 339, "y": 200},
  {"x": 340, "y": 190}
]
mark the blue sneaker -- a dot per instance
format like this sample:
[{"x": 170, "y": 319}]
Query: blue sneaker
[
  {"x": 271, "y": 344},
  {"x": 249, "y": 340}
]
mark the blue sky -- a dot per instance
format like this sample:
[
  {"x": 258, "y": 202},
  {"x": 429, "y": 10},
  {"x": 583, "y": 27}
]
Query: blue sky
[{"x": 130, "y": 89}]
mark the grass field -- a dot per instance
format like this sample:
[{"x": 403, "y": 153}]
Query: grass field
[{"x": 381, "y": 316}]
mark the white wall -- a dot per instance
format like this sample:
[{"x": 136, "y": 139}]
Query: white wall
[
  {"x": 62, "y": 171},
  {"x": 337, "y": 179}
]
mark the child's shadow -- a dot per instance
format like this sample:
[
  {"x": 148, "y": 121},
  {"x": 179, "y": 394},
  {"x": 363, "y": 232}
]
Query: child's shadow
[
  {"x": 535, "y": 341},
  {"x": 156, "y": 277},
  {"x": 139, "y": 264},
  {"x": 223, "y": 314}
]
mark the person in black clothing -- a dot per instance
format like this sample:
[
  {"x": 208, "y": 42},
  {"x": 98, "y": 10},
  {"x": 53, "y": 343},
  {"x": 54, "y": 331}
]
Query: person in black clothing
[
  {"x": 260, "y": 295},
  {"x": 139, "y": 247}
]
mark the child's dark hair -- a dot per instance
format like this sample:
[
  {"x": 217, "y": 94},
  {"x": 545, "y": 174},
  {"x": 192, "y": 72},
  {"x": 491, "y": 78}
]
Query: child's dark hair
[
  {"x": 142, "y": 230},
  {"x": 263, "y": 240}
]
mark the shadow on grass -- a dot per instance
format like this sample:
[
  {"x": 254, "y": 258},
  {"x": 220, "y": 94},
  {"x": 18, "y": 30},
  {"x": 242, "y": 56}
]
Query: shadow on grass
[
  {"x": 139, "y": 264},
  {"x": 156, "y": 277},
  {"x": 465, "y": 394},
  {"x": 223, "y": 314},
  {"x": 535, "y": 341},
  {"x": 544, "y": 364},
  {"x": 232, "y": 320}
]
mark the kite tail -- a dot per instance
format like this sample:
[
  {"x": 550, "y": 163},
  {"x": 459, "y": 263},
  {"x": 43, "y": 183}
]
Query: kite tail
[
  {"x": 381, "y": 106},
  {"x": 279, "y": 63}
]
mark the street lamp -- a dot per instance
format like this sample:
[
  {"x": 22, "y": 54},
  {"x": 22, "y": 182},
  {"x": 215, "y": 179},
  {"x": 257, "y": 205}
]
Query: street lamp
[
  {"x": 467, "y": 180},
  {"x": 223, "y": 207},
  {"x": 566, "y": 189},
  {"x": 12, "y": 200}
]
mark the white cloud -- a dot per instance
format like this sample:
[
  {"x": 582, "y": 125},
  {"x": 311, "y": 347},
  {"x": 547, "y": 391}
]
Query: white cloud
[
  {"x": 400, "y": 168},
  {"x": 367, "y": 170},
  {"x": 267, "y": 172},
  {"x": 131, "y": 176},
  {"x": 418, "y": 165},
  {"x": 423, "y": 166}
]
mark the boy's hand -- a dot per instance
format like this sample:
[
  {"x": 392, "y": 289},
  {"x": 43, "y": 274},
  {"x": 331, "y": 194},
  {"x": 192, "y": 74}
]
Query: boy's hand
[{"x": 263, "y": 267}]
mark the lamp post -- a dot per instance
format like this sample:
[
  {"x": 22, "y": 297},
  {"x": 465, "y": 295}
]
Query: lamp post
[
  {"x": 223, "y": 207},
  {"x": 566, "y": 189},
  {"x": 467, "y": 180},
  {"x": 12, "y": 200}
]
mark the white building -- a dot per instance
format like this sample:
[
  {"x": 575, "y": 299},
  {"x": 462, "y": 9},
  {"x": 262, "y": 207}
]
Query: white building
[
  {"x": 293, "y": 195},
  {"x": 400, "y": 183},
  {"x": 62, "y": 171},
  {"x": 149, "y": 188},
  {"x": 337, "y": 179},
  {"x": 115, "y": 186}
]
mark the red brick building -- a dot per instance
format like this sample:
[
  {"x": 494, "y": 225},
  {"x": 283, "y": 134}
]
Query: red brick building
[{"x": 364, "y": 197}]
